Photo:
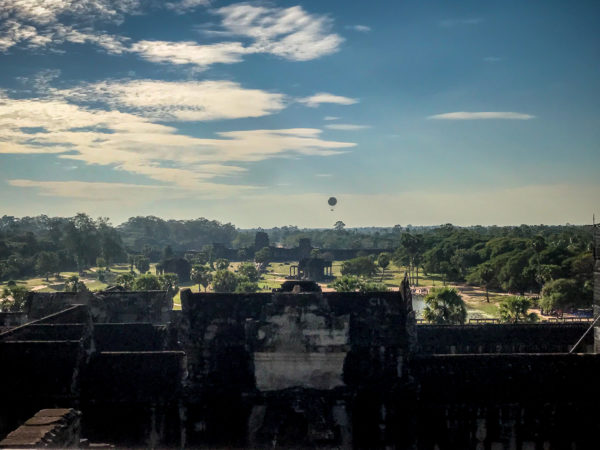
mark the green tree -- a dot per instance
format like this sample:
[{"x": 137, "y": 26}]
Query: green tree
[
  {"x": 339, "y": 226},
  {"x": 263, "y": 257},
  {"x": 74, "y": 284},
  {"x": 81, "y": 240},
  {"x": 563, "y": 294},
  {"x": 225, "y": 281},
  {"x": 245, "y": 286},
  {"x": 169, "y": 282},
  {"x": 13, "y": 298},
  {"x": 369, "y": 286},
  {"x": 142, "y": 264},
  {"x": 147, "y": 282},
  {"x": 383, "y": 260},
  {"x": 249, "y": 271},
  {"x": 101, "y": 262},
  {"x": 242, "y": 254},
  {"x": 125, "y": 280},
  {"x": 484, "y": 275},
  {"x": 46, "y": 263},
  {"x": 111, "y": 246},
  {"x": 445, "y": 306},
  {"x": 363, "y": 266},
  {"x": 131, "y": 262},
  {"x": 222, "y": 264},
  {"x": 514, "y": 309},
  {"x": 347, "y": 283},
  {"x": 201, "y": 276},
  {"x": 547, "y": 272}
]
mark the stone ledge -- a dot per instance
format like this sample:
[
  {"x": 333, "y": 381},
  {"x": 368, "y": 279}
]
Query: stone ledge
[{"x": 58, "y": 428}]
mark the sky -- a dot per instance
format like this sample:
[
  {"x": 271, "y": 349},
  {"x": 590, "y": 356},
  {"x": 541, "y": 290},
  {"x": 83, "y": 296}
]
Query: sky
[{"x": 255, "y": 113}]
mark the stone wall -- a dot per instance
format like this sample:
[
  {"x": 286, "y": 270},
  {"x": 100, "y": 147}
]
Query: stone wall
[
  {"x": 504, "y": 338},
  {"x": 332, "y": 370},
  {"x": 528, "y": 401},
  {"x": 10, "y": 320},
  {"x": 298, "y": 369},
  {"x": 105, "y": 306}
]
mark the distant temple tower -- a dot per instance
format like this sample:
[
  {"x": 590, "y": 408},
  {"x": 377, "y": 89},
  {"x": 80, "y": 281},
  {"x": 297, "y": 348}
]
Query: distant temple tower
[
  {"x": 261, "y": 240},
  {"x": 304, "y": 248}
]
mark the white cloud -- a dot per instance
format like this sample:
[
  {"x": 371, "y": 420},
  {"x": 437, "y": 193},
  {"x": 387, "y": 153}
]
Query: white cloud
[
  {"x": 182, "y": 6},
  {"x": 323, "y": 175},
  {"x": 347, "y": 127},
  {"x": 180, "y": 100},
  {"x": 323, "y": 97},
  {"x": 359, "y": 28},
  {"x": 291, "y": 33},
  {"x": 492, "y": 59},
  {"x": 136, "y": 144},
  {"x": 330, "y": 118},
  {"x": 462, "y": 115},
  {"x": 41, "y": 23},
  {"x": 190, "y": 53}
]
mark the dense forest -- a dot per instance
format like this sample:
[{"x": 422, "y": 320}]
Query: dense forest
[{"x": 514, "y": 259}]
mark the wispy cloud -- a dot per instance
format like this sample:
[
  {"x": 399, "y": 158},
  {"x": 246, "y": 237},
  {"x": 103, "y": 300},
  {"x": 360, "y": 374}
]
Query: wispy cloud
[
  {"x": 183, "y": 6},
  {"x": 331, "y": 118},
  {"x": 137, "y": 144},
  {"x": 291, "y": 33},
  {"x": 323, "y": 97},
  {"x": 189, "y": 52},
  {"x": 96, "y": 191},
  {"x": 179, "y": 100},
  {"x": 37, "y": 24},
  {"x": 323, "y": 175},
  {"x": 462, "y": 115},
  {"x": 347, "y": 127},
  {"x": 359, "y": 28},
  {"x": 492, "y": 59}
]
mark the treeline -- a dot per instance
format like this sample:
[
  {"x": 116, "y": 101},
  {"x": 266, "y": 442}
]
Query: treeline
[
  {"x": 46, "y": 245},
  {"x": 555, "y": 261},
  {"x": 337, "y": 237},
  {"x": 155, "y": 233},
  {"x": 514, "y": 259}
]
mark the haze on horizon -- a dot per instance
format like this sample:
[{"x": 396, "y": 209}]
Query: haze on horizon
[{"x": 255, "y": 113}]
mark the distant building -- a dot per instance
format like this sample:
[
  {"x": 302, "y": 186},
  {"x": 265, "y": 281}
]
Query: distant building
[{"x": 316, "y": 269}]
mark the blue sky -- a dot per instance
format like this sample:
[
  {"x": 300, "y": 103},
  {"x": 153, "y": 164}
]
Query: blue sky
[{"x": 255, "y": 113}]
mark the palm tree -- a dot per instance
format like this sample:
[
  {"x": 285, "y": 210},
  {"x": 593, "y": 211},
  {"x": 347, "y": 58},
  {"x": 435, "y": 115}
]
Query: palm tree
[{"x": 445, "y": 306}]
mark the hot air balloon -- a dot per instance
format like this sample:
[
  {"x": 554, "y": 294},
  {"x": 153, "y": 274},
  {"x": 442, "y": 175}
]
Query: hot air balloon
[{"x": 332, "y": 202}]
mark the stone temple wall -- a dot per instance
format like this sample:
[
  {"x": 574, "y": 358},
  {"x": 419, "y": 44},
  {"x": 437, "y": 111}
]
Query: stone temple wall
[
  {"x": 105, "y": 306},
  {"x": 308, "y": 370},
  {"x": 504, "y": 338},
  {"x": 294, "y": 368}
]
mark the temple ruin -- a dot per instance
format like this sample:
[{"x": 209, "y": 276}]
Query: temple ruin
[{"x": 301, "y": 370}]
